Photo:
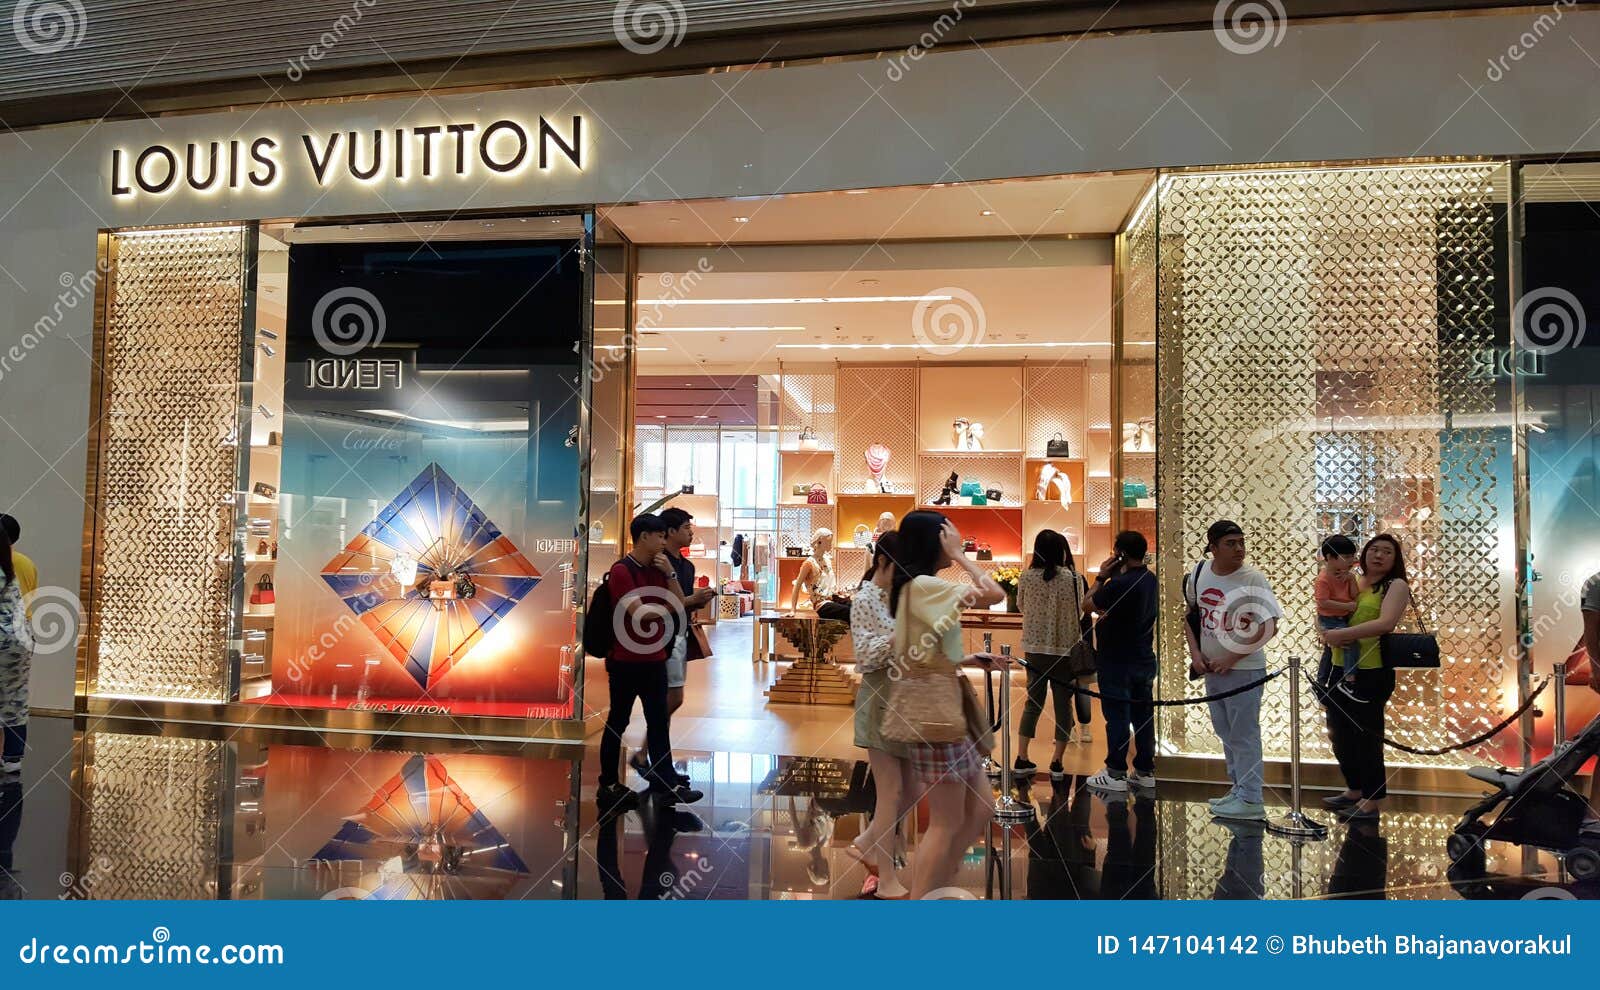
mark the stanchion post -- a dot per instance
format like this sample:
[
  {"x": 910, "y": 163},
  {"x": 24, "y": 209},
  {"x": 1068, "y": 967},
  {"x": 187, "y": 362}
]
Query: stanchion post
[
  {"x": 990, "y": 767},
  {"x": 1296, "y": 825},
  {"x": 1007, "y": 809},
  {"x": 1561, "y": 703}
]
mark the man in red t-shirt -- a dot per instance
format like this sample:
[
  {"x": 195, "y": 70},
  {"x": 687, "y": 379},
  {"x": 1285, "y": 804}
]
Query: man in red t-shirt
[{"x": 647, "y": 609}]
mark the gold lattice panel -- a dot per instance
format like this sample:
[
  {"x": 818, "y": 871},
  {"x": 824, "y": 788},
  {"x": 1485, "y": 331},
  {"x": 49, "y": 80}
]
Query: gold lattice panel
[
  {"x": 877, "y": 404},
  {"x": 1056, "y": 399},
  {"x": 796, "y": 523},
  {"x": 1316, "y": 327},
  {"x": 153, "y": 808},
  {"x": 808, "y": 400},
  {"x": 168, "y": 468}
]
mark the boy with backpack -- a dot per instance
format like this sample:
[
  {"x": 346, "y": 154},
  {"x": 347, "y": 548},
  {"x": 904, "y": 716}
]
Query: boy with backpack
[{"x": 632, "y": 620}]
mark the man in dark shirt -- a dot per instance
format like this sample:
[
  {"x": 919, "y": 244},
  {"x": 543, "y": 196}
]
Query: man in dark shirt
[
  {"x": 1124, "y": 598},
  {"x": 645, "y": 601}
]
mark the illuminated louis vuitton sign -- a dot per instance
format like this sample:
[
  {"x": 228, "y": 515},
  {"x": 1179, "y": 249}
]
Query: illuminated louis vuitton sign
[{"x": 433, "y": 152}]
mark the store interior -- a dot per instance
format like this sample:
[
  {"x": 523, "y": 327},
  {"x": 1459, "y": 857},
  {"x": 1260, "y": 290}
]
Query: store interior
[{"x": 814, "y": 362}]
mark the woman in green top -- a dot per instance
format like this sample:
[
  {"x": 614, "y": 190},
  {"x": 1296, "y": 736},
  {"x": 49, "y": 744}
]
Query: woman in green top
[{"x": 1355, "y": 724}]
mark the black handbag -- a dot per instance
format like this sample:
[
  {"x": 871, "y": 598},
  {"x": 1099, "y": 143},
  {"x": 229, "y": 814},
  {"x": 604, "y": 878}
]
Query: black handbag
[
  {"x": 1057, "y": 446},
  {"x": 1081, "y": 660},
  {"x": 1418, "y": 649}
]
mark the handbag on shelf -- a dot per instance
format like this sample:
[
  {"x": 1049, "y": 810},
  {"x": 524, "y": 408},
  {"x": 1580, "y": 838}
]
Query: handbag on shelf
[
  {"x": 970, "y": 488},
  {"x": 801, "y": 491},
  {"x": 1418, "y": 649},
  {"x": 985, "y": 552},
  {"x": 796, "y": 552},
  {"x": 817, "y": 495},
  {"x": 264, "y": 594},
  {"x": 808, "y": 439},
  {"x": 992, "y": 494},
  {"x": 862, "y": 536},
  {"x": 265, "y": 490},
  {"x": 1057, "y": 446}
]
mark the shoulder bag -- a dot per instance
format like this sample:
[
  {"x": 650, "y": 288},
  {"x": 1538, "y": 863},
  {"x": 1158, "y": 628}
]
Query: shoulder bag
[
  {"x": 1412, "y": 649},
  {"x": 1081, "y": 658},
  {"x": 926, "y": 703}
]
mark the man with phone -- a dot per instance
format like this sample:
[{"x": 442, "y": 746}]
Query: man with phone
[
  {"x": 1124, "y": 598},
  {"x": 1232, "y": 615}
]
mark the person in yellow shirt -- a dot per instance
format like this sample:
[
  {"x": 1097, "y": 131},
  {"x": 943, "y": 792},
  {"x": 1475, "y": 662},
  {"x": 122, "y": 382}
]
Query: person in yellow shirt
[{"x": 27, "y": 574}]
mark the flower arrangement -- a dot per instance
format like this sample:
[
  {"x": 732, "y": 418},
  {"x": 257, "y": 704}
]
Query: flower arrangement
[{"x": 1007, "y": 577}]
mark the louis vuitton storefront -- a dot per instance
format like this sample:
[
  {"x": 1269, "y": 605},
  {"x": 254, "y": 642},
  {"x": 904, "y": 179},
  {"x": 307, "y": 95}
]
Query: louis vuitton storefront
[{"x": 350, "y": 417}]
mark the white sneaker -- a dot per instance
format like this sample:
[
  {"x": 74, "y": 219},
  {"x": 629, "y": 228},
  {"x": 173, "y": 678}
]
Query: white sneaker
[
  {"x": 1105, "y": 782},
  {"x": 1072, "y": 734},
  {"x": 10, "y": 767},
  {"x": 1083, "y": 734},
  {"x": 1138, "y": 779}
]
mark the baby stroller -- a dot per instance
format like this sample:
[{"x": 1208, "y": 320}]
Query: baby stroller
[{"x": 1540, "y": 810}]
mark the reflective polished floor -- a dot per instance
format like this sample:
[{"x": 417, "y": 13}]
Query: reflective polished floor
[{"x": 125, "y": 813}]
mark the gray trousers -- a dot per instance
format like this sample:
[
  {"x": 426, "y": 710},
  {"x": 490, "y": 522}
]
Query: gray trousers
[{"x": 1237, "y": 721}]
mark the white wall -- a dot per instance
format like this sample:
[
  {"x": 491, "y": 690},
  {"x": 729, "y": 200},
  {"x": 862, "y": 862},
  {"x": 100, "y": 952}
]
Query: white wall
[{"x": 1398, "y": 89}]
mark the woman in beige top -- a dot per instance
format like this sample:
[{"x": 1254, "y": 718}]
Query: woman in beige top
[{"x": 1050, "y": 597}]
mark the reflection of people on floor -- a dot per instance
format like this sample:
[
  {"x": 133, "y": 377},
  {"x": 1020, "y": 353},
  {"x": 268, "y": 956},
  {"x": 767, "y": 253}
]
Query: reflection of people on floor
[
  {"x": 1362, "y": 868},
  {"x": 1061, "y": 846},
  {"x": 1129, "y": 872},
  {"x": 812, "y": 831},
  {"x": 659, "y": 879},
  {"x": 10, "y": 825},
  {"x": 1243, "y": 875}
]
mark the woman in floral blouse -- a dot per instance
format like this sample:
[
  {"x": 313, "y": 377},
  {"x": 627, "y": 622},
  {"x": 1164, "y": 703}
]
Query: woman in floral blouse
[
  {"x": 1050, "y": 597},
  {"x": 872, "y": 634}
]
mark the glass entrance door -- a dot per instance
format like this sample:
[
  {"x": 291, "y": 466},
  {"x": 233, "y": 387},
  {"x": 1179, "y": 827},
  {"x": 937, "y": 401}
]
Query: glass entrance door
[{"x": 417, "y": 485}]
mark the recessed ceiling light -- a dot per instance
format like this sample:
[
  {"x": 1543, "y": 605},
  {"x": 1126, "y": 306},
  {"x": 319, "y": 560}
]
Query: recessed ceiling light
[
  {"x": 702, "y": 417},
  {"x": 986, "y": 213},
  {"x": 661, "y": 417},
  {"x": 672, "y": 220},
  {"x": 856, "y": 192},
  {"x": 868, "y": 282},
  {"x": 741, "y": 219}
]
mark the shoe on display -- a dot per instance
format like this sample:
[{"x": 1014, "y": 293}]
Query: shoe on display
[
  {"x": 681, "y": 794},
  {"x": 1104, "y": 781},
  {"x": 1024, "y": 768},
  {"x": 614, "y": 797},
  {"x": 1056, "y": 772},
  {"x": 1240, "y": 809},
  {"x": 1138, "y": 779}
]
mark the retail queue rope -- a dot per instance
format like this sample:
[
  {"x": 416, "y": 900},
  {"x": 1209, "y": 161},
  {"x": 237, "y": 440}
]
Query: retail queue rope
[
  {"x": 1478, "y": 739},
  {"x": 1072, "y": 685}
]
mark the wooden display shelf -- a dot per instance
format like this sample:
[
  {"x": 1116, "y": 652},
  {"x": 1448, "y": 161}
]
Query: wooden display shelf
[
  {"x": 1075, "y": 468},
  {"x": 863, "y": 510},
  {"x": 957, "y": 454}
]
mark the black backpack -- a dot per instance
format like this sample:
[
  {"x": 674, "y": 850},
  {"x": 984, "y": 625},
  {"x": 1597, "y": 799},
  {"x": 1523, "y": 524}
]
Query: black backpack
[{"x": 599, "y": 633}]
